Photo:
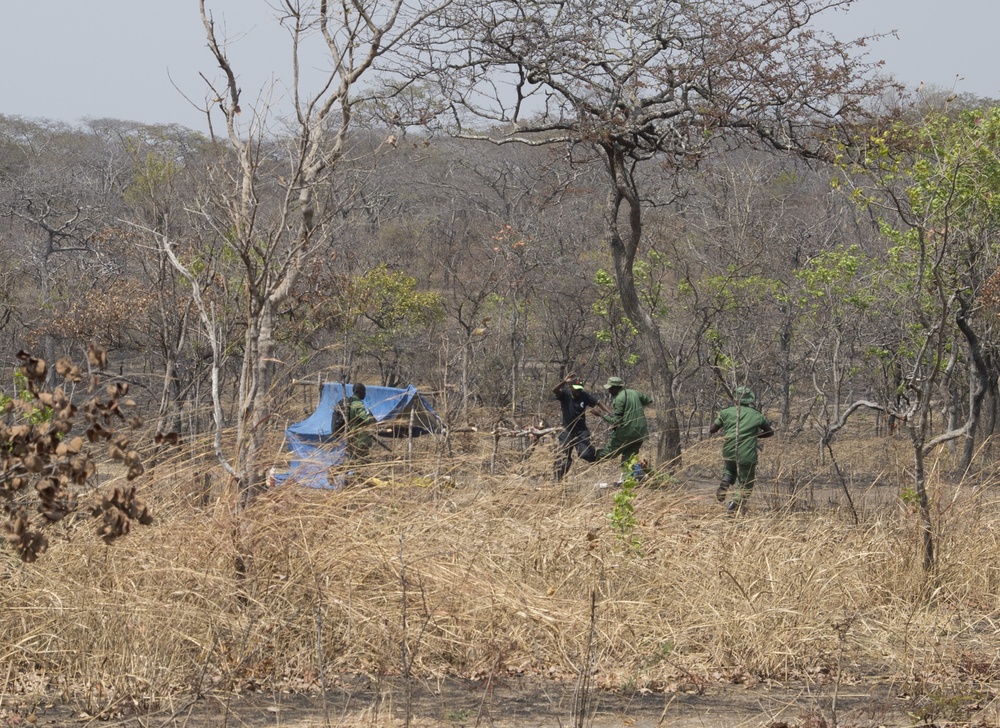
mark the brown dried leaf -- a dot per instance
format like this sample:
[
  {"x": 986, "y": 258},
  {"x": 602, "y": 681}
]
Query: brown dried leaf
[
  {"x": 97, "y": 357},
  {"x": 169, "y": 438},
  {"x": 33, "y": 367},
  {"x": 68, "y": 370}
]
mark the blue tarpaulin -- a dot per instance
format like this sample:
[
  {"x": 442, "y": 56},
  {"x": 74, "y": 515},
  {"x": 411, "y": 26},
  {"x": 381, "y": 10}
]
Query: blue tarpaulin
[{"x": 314, "y": 448}]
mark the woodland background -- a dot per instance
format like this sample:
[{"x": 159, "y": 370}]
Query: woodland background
[
  {"x": 734, "y": 201},
  {"x": 478, "y": 272}
]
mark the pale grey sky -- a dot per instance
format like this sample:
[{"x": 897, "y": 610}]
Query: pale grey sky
[
  {"x": 946, "y": 43},
  {"x": 71, "y": 59}
]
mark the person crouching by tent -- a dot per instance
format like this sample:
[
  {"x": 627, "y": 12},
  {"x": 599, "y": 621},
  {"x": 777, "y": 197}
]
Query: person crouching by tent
[
  {"x": 359, "y": 427},
  {"x": 628, "y": 422},
  {"x": 575, "y": 435},
  {"x": 742, "y": 426}
]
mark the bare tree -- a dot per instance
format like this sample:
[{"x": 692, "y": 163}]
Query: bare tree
[
  {"x": 648, "y": 88},
  {"x": 60, "y": 200},
  {"x": 267, "y": 208}
]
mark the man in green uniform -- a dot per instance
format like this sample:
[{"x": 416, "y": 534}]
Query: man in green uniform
[
  {"x": 627, "y": 420},
  {"x": 743, "y": 425},
  {"x": 359, "y": 424}
]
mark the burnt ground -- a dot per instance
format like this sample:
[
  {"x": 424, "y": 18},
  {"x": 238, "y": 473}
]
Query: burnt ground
[{"x": 539, "y": 703}]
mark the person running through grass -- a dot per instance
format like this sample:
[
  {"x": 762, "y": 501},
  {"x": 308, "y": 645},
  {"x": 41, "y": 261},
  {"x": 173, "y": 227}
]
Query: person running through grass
[
  {"x": 743, "y": 425},
  {"x": 575, "y": 434},
  {"x": 628, "y": 422}
]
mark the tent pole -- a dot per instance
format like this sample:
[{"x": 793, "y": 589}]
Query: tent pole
[{"x": 409, "y": 442}]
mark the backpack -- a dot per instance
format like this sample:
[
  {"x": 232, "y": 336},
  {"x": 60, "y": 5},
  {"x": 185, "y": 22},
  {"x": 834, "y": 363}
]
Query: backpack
[{"x": 338, "y": 418}]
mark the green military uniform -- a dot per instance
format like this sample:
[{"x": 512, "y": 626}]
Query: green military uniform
[
  {"x": 628, "y": 421},
  {"x": 742, "y": 425},
  {"x": 359, "y": 436}
]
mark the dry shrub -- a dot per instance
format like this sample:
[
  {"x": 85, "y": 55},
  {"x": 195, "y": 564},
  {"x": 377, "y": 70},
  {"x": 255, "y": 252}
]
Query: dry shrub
[{"x": 494, "y": 576}]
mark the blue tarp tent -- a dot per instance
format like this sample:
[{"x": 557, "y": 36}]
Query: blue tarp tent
[{"x": 315, "y": 450}]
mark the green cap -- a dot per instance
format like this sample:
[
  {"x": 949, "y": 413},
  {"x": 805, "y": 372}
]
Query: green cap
[{"x": 614, "y": 382}]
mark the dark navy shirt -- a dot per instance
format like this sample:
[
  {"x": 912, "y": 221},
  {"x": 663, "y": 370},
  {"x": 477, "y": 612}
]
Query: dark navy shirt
[{"x": 574, "y": 408}]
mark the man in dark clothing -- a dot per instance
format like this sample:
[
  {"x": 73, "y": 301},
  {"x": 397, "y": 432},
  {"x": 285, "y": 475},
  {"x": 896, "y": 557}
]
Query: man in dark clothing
[
  {"x": 359, "y": 424},
  {"x": 575, "y": 436},
  {"x": 743, "y": 425},
  {"x": 628, "y": 422}
]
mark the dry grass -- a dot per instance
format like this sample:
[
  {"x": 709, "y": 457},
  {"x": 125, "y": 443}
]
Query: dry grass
[{"x": 486, "y": 575}]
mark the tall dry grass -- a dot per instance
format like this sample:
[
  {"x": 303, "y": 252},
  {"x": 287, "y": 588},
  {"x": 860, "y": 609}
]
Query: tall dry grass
[{"x": 444, "y": 569}]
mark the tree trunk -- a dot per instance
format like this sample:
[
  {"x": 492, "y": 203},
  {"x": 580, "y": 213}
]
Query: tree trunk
[
  {"x": 785, "y": 344},
  {"x": 978, "y": 386},
  {"x": 923, "y": 502},
  {"x": 256, "y": 395},
  {"x": 623, "y": 251}
]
